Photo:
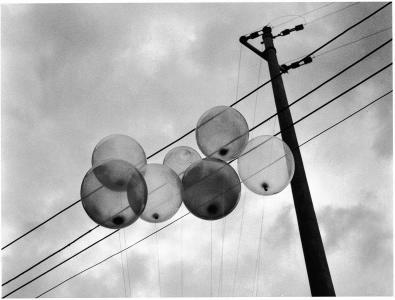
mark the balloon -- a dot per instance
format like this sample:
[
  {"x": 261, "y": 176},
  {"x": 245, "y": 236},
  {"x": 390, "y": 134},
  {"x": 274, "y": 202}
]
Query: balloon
[
  {"x": 119, "y": 146},
  {"x": 267, "y": 165},
  {"x": 114, "y": 208},
  {"x": 164, "y": 193},
  {"x": 222, "y": 132},
  {"x": 180, "y": 158},
  {"x": 211, "y": 189}
]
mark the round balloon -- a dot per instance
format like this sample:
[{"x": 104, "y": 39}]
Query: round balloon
[
  {"x": 113, "y": 208},
  {"x": 164, "y": 193},
  {"x": 211, "y": 189},
  {"x": 222, "y": 132},
  {"x": 119, "y": 146},
  {"x": 267, "y": 165},
  {"x": 180, "y": 158}
]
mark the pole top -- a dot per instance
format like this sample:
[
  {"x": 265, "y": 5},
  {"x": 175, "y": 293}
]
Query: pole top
[{"x": 267, "y": 32}]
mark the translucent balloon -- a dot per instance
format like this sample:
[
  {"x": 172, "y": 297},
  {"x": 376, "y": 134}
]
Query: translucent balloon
[
  {"x": 180, "y": 158},
  {"x": 211, "y": 189},
  {"x": 222, "y": 132},
  {"x": 119, "y": 146},
  {"x": 164, "y": 193},
  {"x": 114, "y": 208},
  {"x": 267, "y": 165}
]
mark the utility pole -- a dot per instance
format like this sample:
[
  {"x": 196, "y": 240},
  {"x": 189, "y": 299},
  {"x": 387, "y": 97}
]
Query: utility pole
[{"x": 313, "y": 249}]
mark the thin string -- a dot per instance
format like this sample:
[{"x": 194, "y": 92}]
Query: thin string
[
  {"x": 181, "y": 259},
  {"x": 256, "y": 95},
  {"x": 238, "y": 244},
  {"x": 255, "y": 290},
  {"x": 127, "y": 264},
  {"x": 123, "y": 269},
  {"x": 158, "y": 262},
  {"x": 238, "y": 72},
  {"x": 222, "y": 258},
  {"x": 211, "y": 260}
]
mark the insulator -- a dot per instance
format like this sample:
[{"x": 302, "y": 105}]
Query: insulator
[
  {"x": 180, "y": 158},
  {"x": 307, "y": 60},
  {"x": 164, "y": 193},
  {"x": 266, "y": 166},
  {"x": 299, "y": 27},
  {"x": 211, "y": 189},
  {"x": 222, "y": 132},
  {"x": 114, "y": 208}
]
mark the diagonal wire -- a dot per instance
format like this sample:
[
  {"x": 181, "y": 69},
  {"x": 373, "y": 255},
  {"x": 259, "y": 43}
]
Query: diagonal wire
[
  {"x": 46, "y": 221},
  {"x": 264, "y": 121},
  {"x": 306, "y": 13},
  {"x": 331, "y": 13},
  {"x": 167, "y": 225},
  {"x": 346, "y": 30},
  {"x": 342, "y": 45},
  {"x": 192, "y": 130}
]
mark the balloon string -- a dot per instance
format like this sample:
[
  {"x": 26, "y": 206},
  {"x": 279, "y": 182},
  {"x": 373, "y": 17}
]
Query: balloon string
[
  {"x": 158, "y": 262},
  {"x": 211, "y": 261},
  {"x": 182, "y": 259},
  {"x": 123, "y": 269},
  {"x": 127, "y": 264},
  {"x": 239, "y": 243}
]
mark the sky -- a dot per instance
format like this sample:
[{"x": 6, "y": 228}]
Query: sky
[{"x": 75, "y": 73}]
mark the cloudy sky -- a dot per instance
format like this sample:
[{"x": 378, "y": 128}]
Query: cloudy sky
[{"x": 73, "y": 74}]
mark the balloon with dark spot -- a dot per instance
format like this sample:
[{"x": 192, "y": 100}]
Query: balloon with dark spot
[
  {"x": 164, "y": 193},
  {"x": 211, "y": 189},
  {"x": 266, "y": 166},
  {"x": 222, "y": 132},
  {"x": 114, "y": 208},
  {"x": 180, "y": 158},
  {"x": 119, "y": 146}
]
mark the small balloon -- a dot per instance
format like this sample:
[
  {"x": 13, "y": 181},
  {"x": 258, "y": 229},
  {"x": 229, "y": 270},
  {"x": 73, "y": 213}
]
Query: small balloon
[
  {"x": 164, "y": 193},
  {"x": 267, "y": 165},
  {"x": 180, "y": 158},
  {"x": 211, "y": 189},
  {"x": 222, "y": 132},
  {"x": 114, "y": 208},
  {"x": 119, "y": 146}
]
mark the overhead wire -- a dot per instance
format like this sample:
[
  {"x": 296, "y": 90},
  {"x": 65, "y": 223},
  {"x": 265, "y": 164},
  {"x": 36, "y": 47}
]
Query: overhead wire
[
  {"x": 264, "y": 121},
  {"x": 167, "y": 225},
  {"x": 342, "y": 45},
  {"x": 345, "y": 31},
  {"x": 231, "y": 105},
  {"x": 331, "y": 13},
  {"x": 192, "y": 130},
  {"x": 298, "y": 16},
  {"x": 294, "y": 123}
]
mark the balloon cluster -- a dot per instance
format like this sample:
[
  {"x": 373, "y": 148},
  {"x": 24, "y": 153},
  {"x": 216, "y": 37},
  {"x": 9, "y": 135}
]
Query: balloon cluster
[{"x": 121, "y": 187}]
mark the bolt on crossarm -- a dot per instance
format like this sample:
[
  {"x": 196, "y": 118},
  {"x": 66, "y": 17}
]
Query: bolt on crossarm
[{"x": 313, "y": 249}]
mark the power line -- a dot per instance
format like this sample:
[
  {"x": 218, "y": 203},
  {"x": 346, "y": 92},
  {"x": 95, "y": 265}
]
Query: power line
[
  {"x": 344, "y": 31},
  {"x": 310, "y": 139},
  {"x": 47, "y": 220},
  {"x": 342, "y": 45},
  {"x": 261, "y": 123},
  {"x": 192, "y": 130},
  {"x": 317, "y": 109},
  {"x": 332, "y": 13},
  {"x": 353, "y": 42},
  {"x": 298, "y": 16},
  {"x": 49, "y": 256}
]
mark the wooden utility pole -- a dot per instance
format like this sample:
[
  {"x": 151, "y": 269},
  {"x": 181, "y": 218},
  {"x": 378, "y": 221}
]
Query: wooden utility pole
[{"x": 313, "y": 249}]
